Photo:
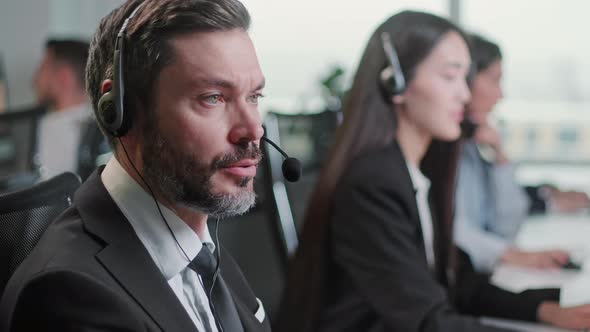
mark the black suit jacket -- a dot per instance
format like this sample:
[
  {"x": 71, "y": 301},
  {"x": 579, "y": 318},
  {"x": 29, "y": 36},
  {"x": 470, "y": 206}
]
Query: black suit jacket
[
  {"x": 90, "y": 272},
  {"x": 378, "y": 278}
]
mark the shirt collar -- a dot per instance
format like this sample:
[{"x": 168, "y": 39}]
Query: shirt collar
[
  {"x": 470, "y": 149},
  {"x": 420, "y": 182},
  {"x": 140, "y": 209}
]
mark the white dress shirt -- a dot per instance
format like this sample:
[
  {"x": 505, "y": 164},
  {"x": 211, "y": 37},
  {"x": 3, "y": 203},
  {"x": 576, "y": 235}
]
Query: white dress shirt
[
  {"x": 59, "y": 139},
  {"x": 140, "y": 209},
  {"x": 422, "y": 187}
]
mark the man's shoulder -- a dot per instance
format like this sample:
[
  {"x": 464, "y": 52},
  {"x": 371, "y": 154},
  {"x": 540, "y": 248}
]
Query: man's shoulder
[
  {"x": 61, "y": 297},
  {"x": 62, "y": 264},
  {"x": 65, "y": 245}
]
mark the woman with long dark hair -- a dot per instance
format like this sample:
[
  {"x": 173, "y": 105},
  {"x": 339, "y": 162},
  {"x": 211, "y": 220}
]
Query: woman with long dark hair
[{"x": 376, "y": 253}]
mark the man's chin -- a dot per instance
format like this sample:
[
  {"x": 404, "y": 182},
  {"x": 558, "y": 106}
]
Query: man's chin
[
  {"x": 226, "y": 183},
  {"x": 225, "y": 207},
  {"x": 234, "y": 203}
]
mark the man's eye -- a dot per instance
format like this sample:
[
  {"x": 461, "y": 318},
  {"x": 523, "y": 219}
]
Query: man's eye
[
  {"x": 449, "y": 77},
  {"x": 213, "y": 99},
  {"x": 253, "y": 99}
]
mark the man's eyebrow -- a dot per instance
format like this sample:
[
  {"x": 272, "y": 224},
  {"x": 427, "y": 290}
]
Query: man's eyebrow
[
  {"x": 215, "y": 82},
  {"x": 261, "y": 85},
  {"x": 221, "y": 83}
]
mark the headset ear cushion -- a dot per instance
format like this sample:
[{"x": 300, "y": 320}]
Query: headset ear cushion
[
  {"x": 107, "y": 114},
  {"x": 387, "y": 83}
]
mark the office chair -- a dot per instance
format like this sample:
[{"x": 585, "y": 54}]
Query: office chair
[
  {"x": 18, "y": 147},
  {"x": 24, "y": 216},
  {"x": 307, "y": 136},
  {"x": 263, "y": 239},
  {"x": 254, "y": 241}
]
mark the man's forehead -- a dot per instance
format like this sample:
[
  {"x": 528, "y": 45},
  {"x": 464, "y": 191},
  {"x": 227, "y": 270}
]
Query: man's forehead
[
  {"x": 224, "y": 58},
  {"x": 191, "y": 46}
]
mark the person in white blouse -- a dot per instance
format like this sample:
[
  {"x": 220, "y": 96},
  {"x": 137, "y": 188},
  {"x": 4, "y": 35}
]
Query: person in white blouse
[
  {"x": 376, "y": 251},
  {"x": 490, "y": 204}
]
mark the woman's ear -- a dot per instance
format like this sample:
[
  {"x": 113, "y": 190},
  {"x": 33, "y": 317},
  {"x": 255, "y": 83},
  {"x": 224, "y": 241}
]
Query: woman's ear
[{"x": 398, "y": 99}]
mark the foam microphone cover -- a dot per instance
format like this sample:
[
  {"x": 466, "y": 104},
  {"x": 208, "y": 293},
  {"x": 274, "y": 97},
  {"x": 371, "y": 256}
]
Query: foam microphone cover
[{"x": 291, "y": 169}]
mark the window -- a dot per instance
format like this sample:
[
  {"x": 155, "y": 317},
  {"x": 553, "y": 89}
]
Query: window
[
  {"x": 546, "y": 105},
  {"x": 301, "y": 42}
]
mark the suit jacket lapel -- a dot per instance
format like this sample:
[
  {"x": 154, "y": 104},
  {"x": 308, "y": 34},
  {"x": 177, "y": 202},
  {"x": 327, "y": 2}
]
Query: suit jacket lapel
[
  {"x": 410, "y": 195},
  {"x": 440, "y": 250},
  {"x": 226, "y": 310},
  {"x": 406, "y": 182},
  {"x": 244, "y": 298},
  {"x": 249, "y": 322},
  {"x": 439, "y": 246},
  {"x": 127, "y": 260}
]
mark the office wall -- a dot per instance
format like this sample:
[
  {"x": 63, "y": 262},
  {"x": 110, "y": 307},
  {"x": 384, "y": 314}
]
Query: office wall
[
  {"x": 297, "y": 41},
  {"x": 24, "y": 26}
]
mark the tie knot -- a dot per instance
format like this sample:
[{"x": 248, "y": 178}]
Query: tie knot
[{"x": 204, "y": 264}]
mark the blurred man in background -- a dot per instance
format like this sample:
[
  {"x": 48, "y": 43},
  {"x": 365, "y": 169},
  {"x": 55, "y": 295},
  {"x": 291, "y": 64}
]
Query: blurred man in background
[{"x": 69, "y": 139}]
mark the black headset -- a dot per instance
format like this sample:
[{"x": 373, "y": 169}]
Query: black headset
[
  {"x": 392, "y": 77},
  {"x": 111, "y": 114}
]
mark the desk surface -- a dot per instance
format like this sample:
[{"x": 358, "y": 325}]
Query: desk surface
[
  {"x": 568, "y": 232},
  {"x": 520, "y": 326}
]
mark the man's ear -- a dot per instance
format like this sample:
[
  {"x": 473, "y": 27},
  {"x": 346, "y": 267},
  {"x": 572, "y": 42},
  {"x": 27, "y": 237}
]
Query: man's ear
[{"x": 106, "y": 86}]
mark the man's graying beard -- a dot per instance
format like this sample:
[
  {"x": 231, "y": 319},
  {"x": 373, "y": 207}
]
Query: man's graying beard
[{"x": 185, "y": 179}]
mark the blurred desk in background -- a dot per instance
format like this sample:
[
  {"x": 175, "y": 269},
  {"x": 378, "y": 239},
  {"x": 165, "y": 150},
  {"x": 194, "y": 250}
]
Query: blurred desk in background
[
  {"x": 520, "y": 326},
  {"x": 567, "y": 232}
]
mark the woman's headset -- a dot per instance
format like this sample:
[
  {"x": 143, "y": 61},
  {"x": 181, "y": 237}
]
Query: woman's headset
[{"x": 392, "y": 77}]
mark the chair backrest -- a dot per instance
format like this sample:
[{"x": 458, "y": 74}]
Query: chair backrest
[
  {"x": 257, "y": 239},
  {"x": 254, "y": 242},
  {"x": 307, "y": 137},
  {"x": 18, "y": 147},
  {"x": 24, "y": 216}
]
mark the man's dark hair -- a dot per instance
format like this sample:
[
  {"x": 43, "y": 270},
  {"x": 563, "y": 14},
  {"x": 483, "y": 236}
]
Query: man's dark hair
[
  {"x": 147, "y": 47},
  {"x": 71, "y": 52}
]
